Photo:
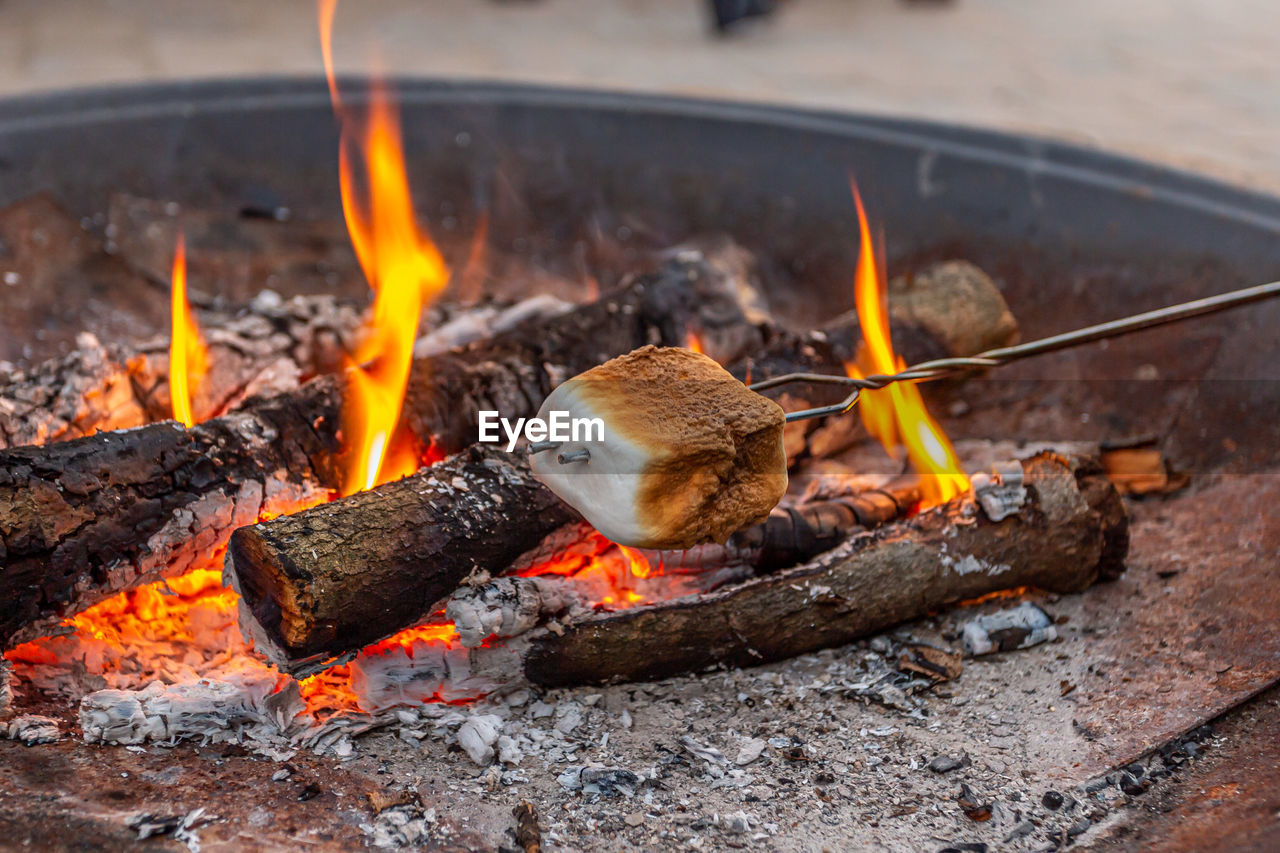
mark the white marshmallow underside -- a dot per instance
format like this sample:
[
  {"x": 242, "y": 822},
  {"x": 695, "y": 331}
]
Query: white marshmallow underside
[{"x": 604, "y": 489}]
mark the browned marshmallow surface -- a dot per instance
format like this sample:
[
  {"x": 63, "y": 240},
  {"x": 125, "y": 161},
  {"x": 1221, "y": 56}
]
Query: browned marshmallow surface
[{"x": 690, "y": 454}]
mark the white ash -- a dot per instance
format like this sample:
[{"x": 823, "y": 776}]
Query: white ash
[
  {"x": 485, "y": 321},
  {"x": 477, "y": 737},
  {"x": 750, "y": 751},
  {"x": 507, "y": 607},
  {"x": 1000, "y": 492},
  {"x": 209, "y": 711},
  {"x": 403, "y": 827},
  {"x": 1013, "y": 628},
  {"x": 181, "y": 827},
  {"x": 426, "y": 672},
  {"x": 32, "y": 729}
]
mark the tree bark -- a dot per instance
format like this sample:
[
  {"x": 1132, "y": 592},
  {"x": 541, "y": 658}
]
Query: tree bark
[
  {"x": 342, "y": 575},
  {"x": 1071, "y": 530}
]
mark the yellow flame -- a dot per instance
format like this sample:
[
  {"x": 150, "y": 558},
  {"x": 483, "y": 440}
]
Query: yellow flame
[
  {"x": 402, "y": 266},
  {"x": 188, "y": 357},
  {"x": 897, "y": 415},
  {"x": 637, "y": 564}
]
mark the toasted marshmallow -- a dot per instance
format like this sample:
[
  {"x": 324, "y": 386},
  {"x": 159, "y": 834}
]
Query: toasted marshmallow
[{"x": 688, "y": 453}]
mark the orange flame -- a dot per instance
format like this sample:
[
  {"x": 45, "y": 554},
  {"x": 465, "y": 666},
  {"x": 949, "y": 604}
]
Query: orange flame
[
  {"x": 897, "y": 415},
  {"x": 693, "y": 341},
  {"x": 188, "y": 357},
  {"x": 403, "y": 267}
]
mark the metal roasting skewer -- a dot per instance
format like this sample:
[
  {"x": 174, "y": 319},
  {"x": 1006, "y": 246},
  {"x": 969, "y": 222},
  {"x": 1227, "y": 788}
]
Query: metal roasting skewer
[{"x": 944, "y": 367}]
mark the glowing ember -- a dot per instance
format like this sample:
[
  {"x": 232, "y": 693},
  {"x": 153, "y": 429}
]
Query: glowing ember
[
  {"x": 402, "y": 266},
  {"x": 607, "y": 573},
  {"x": 896, "y": 415},
  {"x": 188, "y": 357}
]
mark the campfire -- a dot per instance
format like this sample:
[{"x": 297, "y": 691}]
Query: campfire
[
  {"x": 438, "y": 612},
  {"x": 276, "y": 526}
]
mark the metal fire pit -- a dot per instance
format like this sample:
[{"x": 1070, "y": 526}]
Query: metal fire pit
[{"x": 1073, "y": 237}]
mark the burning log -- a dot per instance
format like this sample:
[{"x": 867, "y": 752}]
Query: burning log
[
  {"x": 1070, "y": 530},
  {"x": 413, "y": 542},
  {"x": 82, "y": 519}
]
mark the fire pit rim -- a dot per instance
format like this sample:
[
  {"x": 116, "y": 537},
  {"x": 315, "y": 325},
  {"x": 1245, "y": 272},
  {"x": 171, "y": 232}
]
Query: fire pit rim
[{"x": 1038, "y": 156}]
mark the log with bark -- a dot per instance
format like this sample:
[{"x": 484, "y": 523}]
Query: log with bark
[
  {"x": 471, "y": 514},
  {"x": 82, "y": 519},
  {"x": 1070, "y": 530},
  {"x": 1062, "y": 526},
  {"x": 324, "y": 576}
]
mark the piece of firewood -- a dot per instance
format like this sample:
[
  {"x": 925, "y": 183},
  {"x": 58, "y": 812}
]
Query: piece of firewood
[
  {"x": 528, "y": 833},
  {"x": 1071, "y": 530},
  {"x": 475, "y": 512},
  {"x": 82, "y": 519}
]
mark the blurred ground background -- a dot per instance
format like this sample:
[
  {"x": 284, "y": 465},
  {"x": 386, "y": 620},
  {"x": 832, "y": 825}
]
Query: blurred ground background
[{"x": 1193, "y": 83}]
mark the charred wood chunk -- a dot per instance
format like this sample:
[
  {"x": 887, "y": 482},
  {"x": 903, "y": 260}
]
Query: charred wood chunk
[
  {"x": 1071, "y": 530},
  {"x": 345, "y": 574},
  {"x": 83, "y": 519},
  {"x": 794, "y": 535}
]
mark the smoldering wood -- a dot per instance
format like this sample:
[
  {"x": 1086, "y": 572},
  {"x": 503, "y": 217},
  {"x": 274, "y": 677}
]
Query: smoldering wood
[
  {"x": 794, "y": 535},
  {"x": 948, "y": 309},
  {"x": 1072, "y": 531},
  {"x": 473, "y": 513},
  {"x": 270, "y": 345},
  {"x": 82, "y": 519},
  {"x": 528, "y": 833}
]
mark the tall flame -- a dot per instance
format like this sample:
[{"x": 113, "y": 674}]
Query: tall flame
[
  {"x": 402, "y": 265},
  {"x": 896, "y": 415},
  {"x": 188, "y": 357}
]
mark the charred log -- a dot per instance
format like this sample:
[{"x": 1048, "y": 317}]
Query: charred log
[
  {"x": 1071, "y": 530},
  {"x": 794, "y": 534},
  {"x": 385, "y": 557}
]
